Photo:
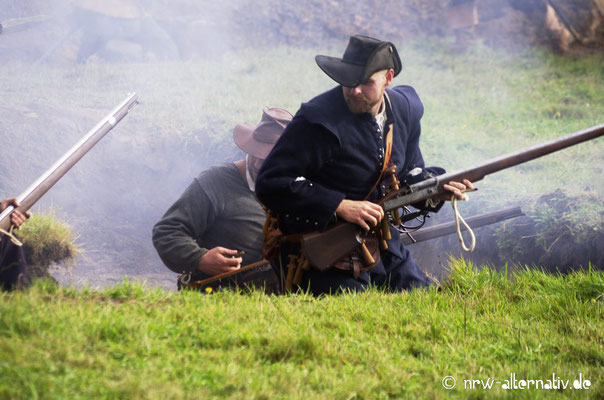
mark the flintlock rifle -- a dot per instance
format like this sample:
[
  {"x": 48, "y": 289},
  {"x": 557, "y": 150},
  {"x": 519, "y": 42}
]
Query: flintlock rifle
[
  {"x": 37, "y": 189},
  {"x": 323, "y": 249}
]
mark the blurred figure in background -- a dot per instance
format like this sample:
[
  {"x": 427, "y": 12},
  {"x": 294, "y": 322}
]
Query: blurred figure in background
[
  {"x": 202, "y": 233},
  {"x": 12, "y": 259},
  {"x": 462, "y": 16},
  {"x": 120, "y": 23}
]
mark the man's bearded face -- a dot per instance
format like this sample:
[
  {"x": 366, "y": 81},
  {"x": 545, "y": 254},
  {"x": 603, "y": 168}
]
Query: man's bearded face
[
  {"x": 359, "y": 104},
  {"x": 366, "y": 97}
]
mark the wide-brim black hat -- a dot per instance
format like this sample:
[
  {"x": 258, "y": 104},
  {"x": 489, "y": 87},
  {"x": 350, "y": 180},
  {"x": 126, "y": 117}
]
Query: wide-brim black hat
[{"x": 363, "y": 57}]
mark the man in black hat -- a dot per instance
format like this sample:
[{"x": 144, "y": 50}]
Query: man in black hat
[
  {"x": 218, "y": 216},
  {"x": 328, "y": 163}
]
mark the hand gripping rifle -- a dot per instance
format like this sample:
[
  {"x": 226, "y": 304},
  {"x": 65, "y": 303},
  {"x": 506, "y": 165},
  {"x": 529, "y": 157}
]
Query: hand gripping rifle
[
  {"x": 323, "y": 249},
  {"x": 33, "y": 193}
]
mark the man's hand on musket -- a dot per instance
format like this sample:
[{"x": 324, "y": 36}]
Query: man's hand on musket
[
  {"x": 457, "y": 188},
  {"x": 17, "y": 218},
  {"x": 219, "y": 260},
  {"x": 362, "y": 213}
]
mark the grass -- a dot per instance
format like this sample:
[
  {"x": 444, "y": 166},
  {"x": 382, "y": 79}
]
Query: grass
[
  {"x": 129, "y": 341},
  {"x": 48, "y": 240}
]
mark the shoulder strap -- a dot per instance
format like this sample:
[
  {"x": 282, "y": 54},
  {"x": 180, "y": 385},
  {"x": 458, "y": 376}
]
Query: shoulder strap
[{"x": 387, "y": 154}]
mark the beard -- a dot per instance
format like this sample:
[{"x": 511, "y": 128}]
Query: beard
[
  {"x": 361, "y": 104},
  {"x": 358, "y": 105}
]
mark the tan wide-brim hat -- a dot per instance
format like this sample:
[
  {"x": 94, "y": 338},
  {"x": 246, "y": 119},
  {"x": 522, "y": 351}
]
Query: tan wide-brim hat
[{"x": 258, "y": 140}]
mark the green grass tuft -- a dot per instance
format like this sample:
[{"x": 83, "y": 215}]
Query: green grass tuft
[{"x": 47, "y": 241}]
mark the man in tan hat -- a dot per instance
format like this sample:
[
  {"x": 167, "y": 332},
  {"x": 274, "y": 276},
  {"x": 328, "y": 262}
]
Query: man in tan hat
[{"x": 216, "y": 224}]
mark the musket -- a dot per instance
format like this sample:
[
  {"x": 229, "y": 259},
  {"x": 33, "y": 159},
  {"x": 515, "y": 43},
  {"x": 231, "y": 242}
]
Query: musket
[
  {"x": 37, "y": 189},
  {"x": 428, "y": 233},
  {"x": 447, "y": 228},
  {"x": 202, "y": 283},
  {"x": 323, "y": 249}
]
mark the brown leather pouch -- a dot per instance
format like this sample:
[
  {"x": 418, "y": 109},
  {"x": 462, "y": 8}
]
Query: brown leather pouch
[{"x": 354, "y": 262}]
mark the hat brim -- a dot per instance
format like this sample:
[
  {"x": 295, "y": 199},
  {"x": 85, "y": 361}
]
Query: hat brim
[
  {"x": 244, "y": 139},
  {"x": 344, "y": 73}
]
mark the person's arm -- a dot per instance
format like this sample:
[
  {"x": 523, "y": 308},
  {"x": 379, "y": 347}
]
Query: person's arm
[
  {"x": 361, "y": 212},
  {"x": 174, "y": 236},
  {"x": 285, "y": 182},
  {"x": 17, "y": 218},
  {"x": 219, "y": 260}
]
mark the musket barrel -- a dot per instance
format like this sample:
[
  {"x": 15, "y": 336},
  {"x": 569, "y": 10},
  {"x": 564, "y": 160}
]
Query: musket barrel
[
  {"x": 37, "y": 189},
  {"x": 433, "y": 186},
  {"x": 339, "y": 240},
  {"x": 518, "y": 157},
  {"x": 448, "y": 228}
]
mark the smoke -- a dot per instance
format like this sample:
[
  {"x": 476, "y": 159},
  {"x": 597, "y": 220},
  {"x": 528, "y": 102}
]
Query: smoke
[
  {"x": 198, "y": 72},
  {"x": 147, "y": 30},
  {"x": 61, "y": 56}
]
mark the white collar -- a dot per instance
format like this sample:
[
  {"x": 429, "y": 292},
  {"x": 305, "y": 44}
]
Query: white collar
[
  {"x": 250, "y": 181},
  {"x": 381, "y": 117}
]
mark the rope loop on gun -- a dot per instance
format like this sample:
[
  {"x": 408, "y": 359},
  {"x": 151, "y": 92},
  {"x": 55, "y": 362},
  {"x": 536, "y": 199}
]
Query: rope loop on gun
[
  {"x": 459, "y": 219},
  {"x": 12, "y": 237}
]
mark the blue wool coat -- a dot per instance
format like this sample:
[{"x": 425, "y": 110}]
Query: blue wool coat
[{"x": 327, "y": 154}]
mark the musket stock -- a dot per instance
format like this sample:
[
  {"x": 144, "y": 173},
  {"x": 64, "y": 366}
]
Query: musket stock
[
  {"x": 36, "y": 190},
  {"x": 323, "y": 249}
]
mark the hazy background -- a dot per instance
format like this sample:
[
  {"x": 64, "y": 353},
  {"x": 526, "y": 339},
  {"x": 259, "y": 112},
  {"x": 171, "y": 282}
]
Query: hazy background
[{"x": 494, "y": 77}]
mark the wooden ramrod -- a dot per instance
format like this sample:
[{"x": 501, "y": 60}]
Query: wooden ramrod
[{"x": 323, "y": 249}]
